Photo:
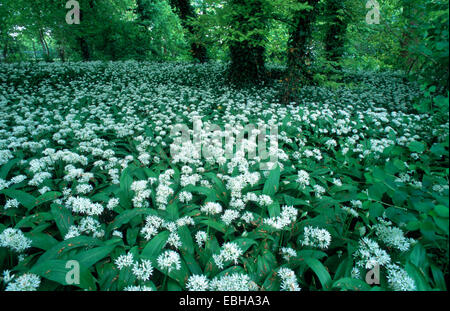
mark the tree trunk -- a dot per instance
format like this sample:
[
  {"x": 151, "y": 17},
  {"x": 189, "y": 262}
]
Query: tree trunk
[
  {"x": 336, "y": 29},
  {"x": 299, "y": 58},
  {"x": 5, "y": 51},
  {"x": 84, "y": 48},
  {"x": 247, "y": 57},
  {"x": 44, "y": 45},
  {"x": 185, "y": 11}
]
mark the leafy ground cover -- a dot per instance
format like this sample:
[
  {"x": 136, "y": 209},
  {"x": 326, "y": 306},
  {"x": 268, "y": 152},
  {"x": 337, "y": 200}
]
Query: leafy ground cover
[{"x": 86, "y": 176}]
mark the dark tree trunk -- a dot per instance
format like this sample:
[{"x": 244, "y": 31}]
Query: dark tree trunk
[
  {"x": 185, "y": 12},
  {"x": 247, "y": 56},
  {"x": 336, "y": 29},
  {"x": 299, "y": 58},
  {"x": 84, "y": 48},
  {"x": 62, "y": 53},
  {"x": 44, "y": 45},
  {"x": 5, "y": 51}
]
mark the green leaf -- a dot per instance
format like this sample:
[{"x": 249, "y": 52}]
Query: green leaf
[
  {"x": 126, "y": 216},
  {"x": 63, "y": 218},
  {"x": 41, "y": 240},
  {"x": 48, "y": 196},
  {"x": 272, "y": 183},
  {"x": 24, "y": 198},
  {"x": 90, "y": 257},
  {"x": 320, "y": 270},
  {"x": 351, "y": 284},
  {"x": 416, "y": 146},
  {"x": 55, "y": 270},
  {"x": 155, "y": 246}
]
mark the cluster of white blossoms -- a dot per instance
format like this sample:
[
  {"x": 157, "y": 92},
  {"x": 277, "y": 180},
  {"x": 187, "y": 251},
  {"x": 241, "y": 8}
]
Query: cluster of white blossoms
[
  {"x": 15, "y": 240},
  {"x": 303, "y": 178},
  {"x": 230, "y": 252},
  {"x": 287, "y": 217},
  {"x": 26, "y": 282},
  {"x": 197, "y": 283},
  {"x": 392, "y": 236},
  {"x": 142, "y": 269},
  {"x": 84, "y": 206},
  {"x": 398, "y": 279},
  {"x": 164, "y": 191},
  {"x": 288, "y": 280},
  {"x": 141, "y": 194},
  {"x": 316, "y": 237},
  {"x": 233, "y": 282},
  {"x": 211, "y": 208},
  {"x": 288, "y": 253},
  {"x": 169, "y": 260},
  {"x": 88, "y": 226},
  {"x": 369, "y": 254}
]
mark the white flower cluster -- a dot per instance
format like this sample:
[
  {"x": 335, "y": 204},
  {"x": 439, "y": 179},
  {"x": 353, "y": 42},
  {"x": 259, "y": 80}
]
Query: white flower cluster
[
  {"x": 233, "y": 282},
  {"x": 26, "y": 282},
  {"x": 287, "y": 217},
  {"x": 14, "y": 239},
  {"x": 169, "y": 260},
  {"x": 392, "y": 236},
  {"x": 230, "y": 252},
  {"x": 142, "y": 269},
  {"x": 369, "y": 254},
  {"x": 316, "y": 237},
  {"x": 288, "y": 280}
]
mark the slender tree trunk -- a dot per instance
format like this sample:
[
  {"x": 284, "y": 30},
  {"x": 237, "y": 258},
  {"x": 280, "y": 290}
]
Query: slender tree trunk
[
  {"x": 336, "y": 29},
  {"x": 5, "y": 51},
  {"x": 62, "y": 53},
  {"x": 247, "y": 57},
  {"x": 185, "y": 12},
  {"x": 34, "y": 50},
  {"x": 299, "y": 58},
  {"x": 44, "y": 45}
]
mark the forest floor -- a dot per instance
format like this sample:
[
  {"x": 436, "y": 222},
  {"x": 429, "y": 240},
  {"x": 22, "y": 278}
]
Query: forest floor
[{"x": 92, "y": 168}]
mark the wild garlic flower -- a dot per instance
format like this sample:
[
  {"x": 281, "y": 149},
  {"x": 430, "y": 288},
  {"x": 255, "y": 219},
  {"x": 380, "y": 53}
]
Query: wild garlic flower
[
  {"x": 392, "y": 236},
  {"x": 230, "y": 252},
  {"x": 200, "y": 238},
  {"x": 288, "y": 280},
  {"x": 232, "y": 282},
  {"x": 124, "y": 261},
  {"x": 316, "y": 237},
  {"x": 26, "y": 282},
  {"x": 303, "y": 178},
  {"x": 287, "y": 217},
  {"x": 197, "y": 283},
  {"x": 15, "y": 240},
  {"x": 13, "y": 203},
  {"x": 288, "y": 253},
  {"x": 143, "y": 270},
  {"x": 169, "y": 260},
  {"x": 211, "y": 208},
  {"x": 369, "y": 254},
  {"x": 398, "y": 279},
  {"x": 229, "y": 216}
]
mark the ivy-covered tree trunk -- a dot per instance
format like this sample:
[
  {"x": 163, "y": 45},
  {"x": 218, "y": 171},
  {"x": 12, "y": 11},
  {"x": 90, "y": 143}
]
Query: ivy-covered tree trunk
[
  {"x": 247, "y": 56},
  {"x": 336, "y": 29},
  {"x": 299, "y": 58},
  {"x": 186, "y": 12}
]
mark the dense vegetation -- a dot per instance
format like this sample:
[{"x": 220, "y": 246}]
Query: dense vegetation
[{"x": 92, "y": 174}]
